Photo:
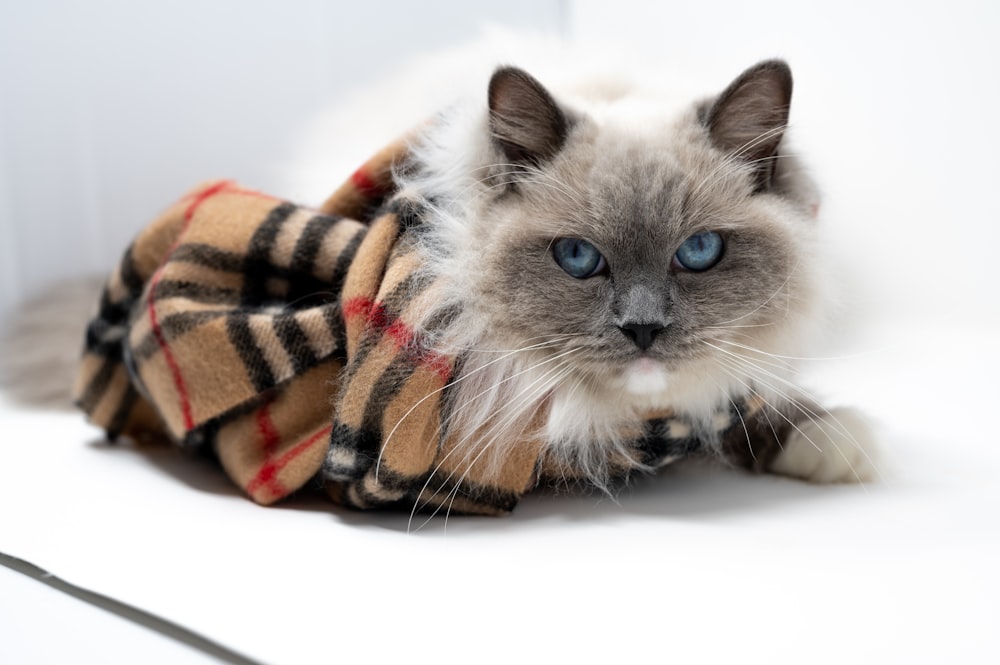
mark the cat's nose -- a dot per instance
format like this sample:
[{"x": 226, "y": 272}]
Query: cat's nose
[{"x": 642, "y": 334}]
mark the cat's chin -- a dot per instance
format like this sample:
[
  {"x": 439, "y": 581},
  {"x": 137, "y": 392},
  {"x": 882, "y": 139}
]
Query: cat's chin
[
  {"x": 645, "y": 378},
  {"x": 645, "y": 384}
]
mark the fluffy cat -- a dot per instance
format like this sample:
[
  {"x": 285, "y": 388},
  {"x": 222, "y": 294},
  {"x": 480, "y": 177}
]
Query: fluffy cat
[{"x": 615, "y": 254}]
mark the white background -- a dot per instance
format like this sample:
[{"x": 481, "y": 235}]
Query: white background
[{"x": 109, "y": 110}]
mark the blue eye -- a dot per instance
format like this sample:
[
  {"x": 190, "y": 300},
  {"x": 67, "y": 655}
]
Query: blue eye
[
  {"x": 578, "y": 257},
  {"x": 700, "y": 252}
]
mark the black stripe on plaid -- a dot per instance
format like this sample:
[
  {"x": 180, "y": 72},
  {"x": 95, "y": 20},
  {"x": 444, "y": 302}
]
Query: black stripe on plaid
[
  {"x": 103, "y": 338},
  {"x": 171, "y": 328},
  {"x": 299, "y": 271},
  {"x": 202, "y": 293},
  {"x": 129, "y": 274},
  {"x": 111, "y": 312},
  {"x": 305, "y": 289},
  {"x": 388, "y": 385},
  {"x": 209, "y": 430},
  {"x": 308, "y": 244},
  {"x": 430, "y": 492},
  {"x": 114, "y": 313},
  {"x": 257, "y": 265},
  {"x": 345, "y": 438},
  {"x": 442, "y": 487},
  {"x": 345, "y": 259},
  {"x": 208, "y": 256},
  {"x": 295, "y": 341},
  {"x": 124, "y": 410},
  {"x": 365, "y": 443},
  {"x": 242, "y": 339},
  {"x": 98, "y": 384},
  {"x": 204, "y": 436},
  {"x": 335, "y": 324}
]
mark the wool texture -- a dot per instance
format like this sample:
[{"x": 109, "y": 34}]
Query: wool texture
[{"x": 283, "y": 338}]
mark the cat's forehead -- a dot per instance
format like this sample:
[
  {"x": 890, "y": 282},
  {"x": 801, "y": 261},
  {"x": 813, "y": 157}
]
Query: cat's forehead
[
  {"x": 669, "y": 150},
  {"x": 630, "y": 168},
  {"x": 617, "y": 184},
  {"x": 634, "y": 183}
]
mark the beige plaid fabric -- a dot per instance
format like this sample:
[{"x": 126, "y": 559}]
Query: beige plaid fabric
[{"x": 283, "y": 338}]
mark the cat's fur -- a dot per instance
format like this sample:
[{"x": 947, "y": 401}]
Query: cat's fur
[{"x": 507, "y": 175}]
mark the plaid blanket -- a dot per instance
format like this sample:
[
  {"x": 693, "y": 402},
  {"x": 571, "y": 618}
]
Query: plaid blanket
[{"x": 283, "y": 338}]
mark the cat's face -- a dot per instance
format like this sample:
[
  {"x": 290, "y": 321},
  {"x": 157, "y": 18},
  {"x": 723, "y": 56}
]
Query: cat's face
[{"x": 644, "y": 253}]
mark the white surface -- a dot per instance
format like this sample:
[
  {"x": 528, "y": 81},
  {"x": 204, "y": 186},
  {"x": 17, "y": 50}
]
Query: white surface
[
  {"x": 41, "y": 625},
  {"x": 693, "y": 565},
  {"x": 896, "y": 107}
]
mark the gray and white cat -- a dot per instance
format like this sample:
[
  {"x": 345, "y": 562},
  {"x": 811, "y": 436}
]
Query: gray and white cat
[{"x": 615, "y": 254}]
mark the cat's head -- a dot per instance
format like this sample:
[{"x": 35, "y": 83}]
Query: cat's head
[{"x": 651, "y": 253}]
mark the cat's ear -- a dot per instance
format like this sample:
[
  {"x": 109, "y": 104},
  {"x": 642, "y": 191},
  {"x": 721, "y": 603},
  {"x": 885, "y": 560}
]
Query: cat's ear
[
  {"x": 749, "y": 118},
  {"x": 526, "y": 124}
]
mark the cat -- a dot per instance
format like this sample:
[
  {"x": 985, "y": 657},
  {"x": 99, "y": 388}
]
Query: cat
[
  {"x": 615, "y": 253},
  {"x": 612, "y": 255}
]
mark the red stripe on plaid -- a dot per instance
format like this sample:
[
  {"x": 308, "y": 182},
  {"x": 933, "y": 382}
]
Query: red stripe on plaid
[
  {"x": 437, "y": 363},
  {"x": 269, "y": 436},
  {"x": 374, "y": 312},
  {"x": 168, "y": 357},
  {"x": 175, "y": 371},
  {"x": 200, "y": 197},
  {"x": 269, "y": 440},
  {"x": 357, "y": 306},
  {"x": 225, "y": 186},
  {"x": 268, "y": 474},
  {"x": 377, "y": 318},
  {"x": 401, "y": 334},
  {"x": 407, "y": 338},
  {"x": 196, "y": 200},
  {"x": 367, "y": 186}
]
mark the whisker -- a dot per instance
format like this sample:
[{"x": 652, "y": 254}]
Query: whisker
[
  {"x": 777, "y": 291},
  {"x": 777, "y": 363},
  {"x": 810, "y": 414},
  {"x": 553, "y": 340},
  {"x": 746, "y": 363},
  {"x": 733, "y": 159},
  {"x": 464, "y": 377},
  {"x": 500, "y": 428},
  {"x": 464, "y": 440},
  {"x": 744, "y": 325},
  {"x": 849, "y": 356},
  {"x": 526, "y": 396}
]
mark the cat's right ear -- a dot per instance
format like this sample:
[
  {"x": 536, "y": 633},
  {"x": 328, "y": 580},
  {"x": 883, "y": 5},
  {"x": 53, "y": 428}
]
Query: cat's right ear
[
  {"x": 748, "y": 120},
  {"x": 526, "y": 124}
]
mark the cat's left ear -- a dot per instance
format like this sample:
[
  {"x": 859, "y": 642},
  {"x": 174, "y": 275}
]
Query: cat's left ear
[
  {"x": 749, "y": 118},
  {"x": 526, "y": 123}
]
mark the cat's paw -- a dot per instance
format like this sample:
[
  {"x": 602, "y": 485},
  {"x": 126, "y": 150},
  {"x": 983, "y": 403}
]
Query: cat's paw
[{"x": 836, "y": 447}]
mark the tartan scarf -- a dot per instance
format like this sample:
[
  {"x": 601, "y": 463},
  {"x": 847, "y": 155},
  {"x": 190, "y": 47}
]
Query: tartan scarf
[{"x": 284, "y": 338}]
